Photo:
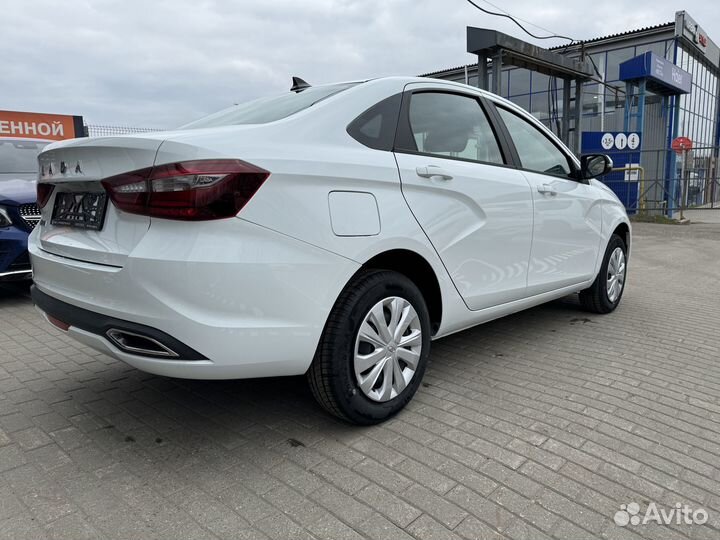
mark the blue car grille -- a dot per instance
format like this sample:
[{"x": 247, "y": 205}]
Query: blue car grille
[{"x": 30, "y": 214}]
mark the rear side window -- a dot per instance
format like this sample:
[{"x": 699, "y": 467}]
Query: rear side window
[
  {"x": 451, "y": 125},
  {"x": 376, "y": 126},
  {"x": 269, "y": 109},
  {"x": 537, "y": 152}
]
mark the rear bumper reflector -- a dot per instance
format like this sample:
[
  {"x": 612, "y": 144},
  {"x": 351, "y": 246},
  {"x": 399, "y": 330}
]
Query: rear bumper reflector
[{"x": 57, "y": 323}]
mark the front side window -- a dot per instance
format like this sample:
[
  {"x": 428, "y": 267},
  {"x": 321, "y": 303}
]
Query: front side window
[
  {"x": 537, "y": 153},
  {"x": 451, "y": 125}
]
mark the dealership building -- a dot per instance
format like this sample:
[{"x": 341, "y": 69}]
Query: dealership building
[{"x": 628, "y": 92}]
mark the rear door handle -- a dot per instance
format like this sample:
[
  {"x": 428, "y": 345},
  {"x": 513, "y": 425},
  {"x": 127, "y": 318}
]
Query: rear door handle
[
  {"x": 547, "y": 189},
  {"x": 433, "y": 171}
]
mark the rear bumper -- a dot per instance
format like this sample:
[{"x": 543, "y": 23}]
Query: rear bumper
[
  {"x": 101, "y": 325},
  {"x": 248, "y": 301}
]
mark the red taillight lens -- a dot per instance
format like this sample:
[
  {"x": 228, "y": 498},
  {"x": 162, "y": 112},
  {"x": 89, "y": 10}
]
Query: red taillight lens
[
  {"x": 190, "y": 190},
  {"x": 43, "y": 193}
]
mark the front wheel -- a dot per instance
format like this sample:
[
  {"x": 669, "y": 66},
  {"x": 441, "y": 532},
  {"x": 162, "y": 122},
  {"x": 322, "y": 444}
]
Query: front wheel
[
  {"x": 374, "y": 348},
  {"x": 604, "y": 295}
]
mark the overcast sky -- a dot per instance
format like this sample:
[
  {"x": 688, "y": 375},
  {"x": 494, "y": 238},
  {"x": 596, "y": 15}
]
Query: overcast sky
[{"x": 160, "y": 63}]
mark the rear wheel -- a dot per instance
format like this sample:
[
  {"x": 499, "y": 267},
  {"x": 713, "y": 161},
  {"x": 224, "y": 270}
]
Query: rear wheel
[
  {"x": 604, "y": 295},
  {"x": 373, "y": 352}
]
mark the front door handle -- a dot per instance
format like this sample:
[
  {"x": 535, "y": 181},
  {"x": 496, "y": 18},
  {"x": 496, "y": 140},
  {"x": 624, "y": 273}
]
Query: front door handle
[
  {"x": 433, "y": 171},
  {"x": 547, "y": 189}
]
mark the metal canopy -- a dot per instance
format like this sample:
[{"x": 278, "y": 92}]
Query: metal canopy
[
  {"x": 516, "y": 52},
  {"x": 505, "y": 49}
]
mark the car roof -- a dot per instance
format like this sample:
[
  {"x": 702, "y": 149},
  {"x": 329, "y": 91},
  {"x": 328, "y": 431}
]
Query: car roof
[
  {"x": 460, "y": 86},
  {"x": 408, "y": 79}
]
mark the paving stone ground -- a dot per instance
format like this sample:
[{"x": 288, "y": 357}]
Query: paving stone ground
[{"x": 537, "y": 425}]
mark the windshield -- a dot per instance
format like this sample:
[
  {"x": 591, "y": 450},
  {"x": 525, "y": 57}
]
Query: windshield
[
  {"x": 269, "y": 109},
  {"x": 18, "y": 156}
]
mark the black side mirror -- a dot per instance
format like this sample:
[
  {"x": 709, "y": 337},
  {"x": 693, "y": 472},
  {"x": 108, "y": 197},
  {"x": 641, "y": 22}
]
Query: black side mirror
[{"x": 593, "y": 165}]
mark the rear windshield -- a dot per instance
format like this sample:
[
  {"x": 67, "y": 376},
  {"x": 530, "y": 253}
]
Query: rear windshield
[
  {"x": 18, "y": 156},
  {"x": 269, "y": 109}
]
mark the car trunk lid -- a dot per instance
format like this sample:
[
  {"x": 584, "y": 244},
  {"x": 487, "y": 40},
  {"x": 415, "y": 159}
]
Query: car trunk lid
[{"x": 77, "y": 167}]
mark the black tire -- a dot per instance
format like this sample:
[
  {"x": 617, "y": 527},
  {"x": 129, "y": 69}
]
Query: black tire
[
  {"x": 331, "y": 375},
  {"x": 595, "y": 298}
]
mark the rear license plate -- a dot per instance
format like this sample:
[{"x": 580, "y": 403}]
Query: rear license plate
[{"x": 82, "y": 210}]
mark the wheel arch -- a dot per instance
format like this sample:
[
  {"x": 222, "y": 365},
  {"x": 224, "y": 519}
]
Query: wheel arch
[
  {"x": 622, "y": 229},
  {"x": 417, "y": 269}
]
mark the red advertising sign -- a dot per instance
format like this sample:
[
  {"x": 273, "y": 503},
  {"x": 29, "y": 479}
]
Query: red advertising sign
[
  {"x": 681, "y": 144},
  {"x": 49, "y": 127}
]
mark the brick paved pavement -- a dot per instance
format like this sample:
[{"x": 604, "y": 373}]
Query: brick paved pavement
[{"x": 538, "y": 425}]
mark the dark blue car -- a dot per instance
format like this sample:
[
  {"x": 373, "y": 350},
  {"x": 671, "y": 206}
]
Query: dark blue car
[{"x": 19, "y": 212}]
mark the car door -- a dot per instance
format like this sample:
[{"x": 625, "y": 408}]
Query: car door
[
  {"x": 567, "y": 230},
  {"x": 475, "y": 209}
]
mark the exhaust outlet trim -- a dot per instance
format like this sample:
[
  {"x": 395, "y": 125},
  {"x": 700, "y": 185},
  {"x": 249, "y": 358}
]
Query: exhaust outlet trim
[{"x": 134, "y": 344}]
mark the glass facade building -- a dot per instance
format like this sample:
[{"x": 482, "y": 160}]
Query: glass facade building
[{"x": 695, "y": 115}]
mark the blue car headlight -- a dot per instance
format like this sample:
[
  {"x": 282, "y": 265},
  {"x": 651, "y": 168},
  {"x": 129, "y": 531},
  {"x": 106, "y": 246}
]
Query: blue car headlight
[{"x": 5, "y": 220}]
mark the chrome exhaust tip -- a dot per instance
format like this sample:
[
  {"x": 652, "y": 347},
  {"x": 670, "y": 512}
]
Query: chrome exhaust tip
[{"x": 139, "y": 344}]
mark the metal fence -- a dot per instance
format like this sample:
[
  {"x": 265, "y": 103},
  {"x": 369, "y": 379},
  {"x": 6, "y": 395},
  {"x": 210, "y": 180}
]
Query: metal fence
[
  {"x": 95, "y": 130},
  {"x": 665, "y": 183}
]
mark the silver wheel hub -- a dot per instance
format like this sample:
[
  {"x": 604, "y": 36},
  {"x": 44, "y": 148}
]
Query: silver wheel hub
[
  {"x": 616, "y": 274},
  {"x": 387, "y": 349}
]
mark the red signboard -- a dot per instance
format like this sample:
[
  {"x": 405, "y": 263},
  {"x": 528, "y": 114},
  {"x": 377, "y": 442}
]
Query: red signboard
[
  {"x": 681, "y": 144},
  {"x": 49, "y": 127}
]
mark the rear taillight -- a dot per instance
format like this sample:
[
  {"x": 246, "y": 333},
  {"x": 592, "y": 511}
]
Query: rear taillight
[
  {"x": 43, "y": 193},
  {"x": 190, "y": 190}
]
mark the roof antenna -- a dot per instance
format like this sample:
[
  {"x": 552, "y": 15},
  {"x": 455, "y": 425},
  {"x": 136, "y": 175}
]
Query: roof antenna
[{"x": 299, "y": 85}]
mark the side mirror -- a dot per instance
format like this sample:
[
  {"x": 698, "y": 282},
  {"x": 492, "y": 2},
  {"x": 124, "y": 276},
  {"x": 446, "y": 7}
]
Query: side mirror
[{"x": 593, "y": 165}]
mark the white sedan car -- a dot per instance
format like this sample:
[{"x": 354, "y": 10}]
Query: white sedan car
[{"x": 332, "y": 231}]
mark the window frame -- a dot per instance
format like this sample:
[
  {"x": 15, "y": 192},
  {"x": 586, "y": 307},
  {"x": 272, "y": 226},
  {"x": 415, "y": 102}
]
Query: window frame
[
  {"x": 574, "y": 175},
  {"x": 404, "y": 133}
]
